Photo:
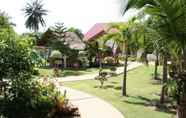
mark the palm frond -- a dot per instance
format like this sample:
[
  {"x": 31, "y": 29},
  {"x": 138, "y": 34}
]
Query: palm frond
[{"x": 34, "y": 12}]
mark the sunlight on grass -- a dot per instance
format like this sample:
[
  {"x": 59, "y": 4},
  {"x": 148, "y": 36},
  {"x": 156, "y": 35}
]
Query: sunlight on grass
[
  {"x": 142, "y": 91},
  {"x": 68, "y": 72}
]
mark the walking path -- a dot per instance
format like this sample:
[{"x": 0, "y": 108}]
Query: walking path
[
  {"x": 90, "y": 106},
  {"x": 119, "y": 70}
]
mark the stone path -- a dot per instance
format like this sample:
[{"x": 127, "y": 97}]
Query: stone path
[
  {"x": 119, "y": 70},
  {"x": 91, "y": 106}
]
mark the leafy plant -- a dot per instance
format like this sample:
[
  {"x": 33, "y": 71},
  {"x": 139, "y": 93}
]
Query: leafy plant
[
  {"x": 55, "y": 58},
  {"x": 102, "y": 78},
  {"x": 113, "y": 71},
  {"x": 109, "y": 60},
  {"x": 25, "y": 98},
  {"x": 56, "y": 72},
  {"x": 34, "y": 12}
]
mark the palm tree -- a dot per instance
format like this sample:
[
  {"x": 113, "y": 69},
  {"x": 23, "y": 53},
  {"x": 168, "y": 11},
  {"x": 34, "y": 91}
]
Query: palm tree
[
  {"x": 123, "y": 36},
  {"x": 171, "y": 15},
  {"x": 160, "y": 48},
  {"x": 115, "y": 38},
  {"x": 34, "y": 12}
]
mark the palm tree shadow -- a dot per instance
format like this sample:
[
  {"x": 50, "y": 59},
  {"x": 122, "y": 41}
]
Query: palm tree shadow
[
  {"x": 118, "y": 88},
  {"x": 109, "y": 87},
  {"x": 114, "y": 82},
  {"x": 104, "y": 87},
  {"x": 140, "y": 100}
]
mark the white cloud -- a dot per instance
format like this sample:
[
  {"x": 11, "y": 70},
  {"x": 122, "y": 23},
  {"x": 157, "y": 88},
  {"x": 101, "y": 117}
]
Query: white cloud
[{"x": 81, "y": 14}]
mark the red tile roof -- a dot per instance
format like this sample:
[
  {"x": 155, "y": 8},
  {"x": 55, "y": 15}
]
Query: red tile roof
[{"x": 96, "y": 30}]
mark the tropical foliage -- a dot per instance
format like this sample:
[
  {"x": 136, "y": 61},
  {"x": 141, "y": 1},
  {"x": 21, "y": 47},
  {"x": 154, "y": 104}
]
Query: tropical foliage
[
  {"x": 170, "y": 24},
  {"x": 23, "y": 96},
  {"x": 34, "y": 12}
]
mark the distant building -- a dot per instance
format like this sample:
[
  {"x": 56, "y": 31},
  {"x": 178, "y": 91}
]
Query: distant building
[
  {"x": 98, "y": 30},
  {"x": 71, "y": 38},
  {"x": 74, "y": 41}
]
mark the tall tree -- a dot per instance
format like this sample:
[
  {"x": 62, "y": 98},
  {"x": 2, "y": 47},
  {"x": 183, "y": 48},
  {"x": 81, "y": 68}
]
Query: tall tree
[
  {"x": 122, "y": 36},
  {"x": 159, "y": 46},
  {"x": 171, "y": 15},
  {"x": 34, "y": 12}
]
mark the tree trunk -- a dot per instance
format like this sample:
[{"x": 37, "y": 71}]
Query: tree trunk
[
  {"x": 100, "y": 60},
  {"x": 124, "y": 88},
  {"x": 156, "y": 67},
  {"x": 181, "y": 108},
  {"x": 165, "y": 73}
]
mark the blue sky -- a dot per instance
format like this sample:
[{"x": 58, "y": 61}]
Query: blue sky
[{"x": 82, "y": 14}]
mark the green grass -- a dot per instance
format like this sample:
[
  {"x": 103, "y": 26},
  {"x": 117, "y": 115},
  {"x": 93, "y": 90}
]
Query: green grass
[
  {"x": 69, "y": 72},
  {"x": 142, "y": 92}
]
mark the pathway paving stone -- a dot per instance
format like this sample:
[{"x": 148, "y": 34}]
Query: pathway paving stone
[
  {"x": 132, "y": 65},
  {"x": 91, "y": 106}
]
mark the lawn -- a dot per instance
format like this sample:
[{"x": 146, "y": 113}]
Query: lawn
[
  {"x": 70, "y": 72},
  {"x": 143, "y": 92}
]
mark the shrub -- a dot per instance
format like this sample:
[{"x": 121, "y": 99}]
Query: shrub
[
  {"x": 25, "y": 98},
  {"x": 37, "y": 101},
  {"x": 82, "y": 57},
  {"x": 37, "y": 59},
  {"x": 62, "y": 107},
  {"x": 113, "y": 71},
  {"x": 56, "y": 54},
  {"x": 55, "y": 58},
  {"x": 35, "y": 72},
  {"x": 56, "y": 72},
  {"x": 102, "y": 78},
  {"x": 109, "y": 60}
]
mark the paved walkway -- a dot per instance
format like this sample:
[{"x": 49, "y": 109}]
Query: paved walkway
[
  {"x": 119, "y": 70},
  {"x": 91, "y": 106}
]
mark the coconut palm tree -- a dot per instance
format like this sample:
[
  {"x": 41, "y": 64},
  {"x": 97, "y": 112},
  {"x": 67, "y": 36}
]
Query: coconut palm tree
[
  {"x": 122, "y": 36},
  {"x": 159, "y": 46},
  {"x": 171, "y": 15},
  {"x": 34, "y": 12}
]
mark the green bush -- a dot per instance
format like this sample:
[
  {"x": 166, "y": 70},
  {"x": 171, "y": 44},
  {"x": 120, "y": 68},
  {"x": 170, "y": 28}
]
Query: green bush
[
  {"x": 35, "y": 72},
  {"x": 102, "y": 78},
  {"x": 55, "y": 57},
  {"x": 113, "y": 71},
  {"x": 56, "y": 54},
  {"x": 82, "y": 57},
  {"x": 36, "y": 101},
  {"x": 24, "y": 98},
  {"x": 30, "y": 100},
  {"x": 37, "y": 59}
]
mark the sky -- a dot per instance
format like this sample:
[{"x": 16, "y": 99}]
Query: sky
[{"x": 81, "y": 14}]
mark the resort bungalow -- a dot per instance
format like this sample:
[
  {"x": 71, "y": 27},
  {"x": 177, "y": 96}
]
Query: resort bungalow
[{"x": 94, "y": 38}]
